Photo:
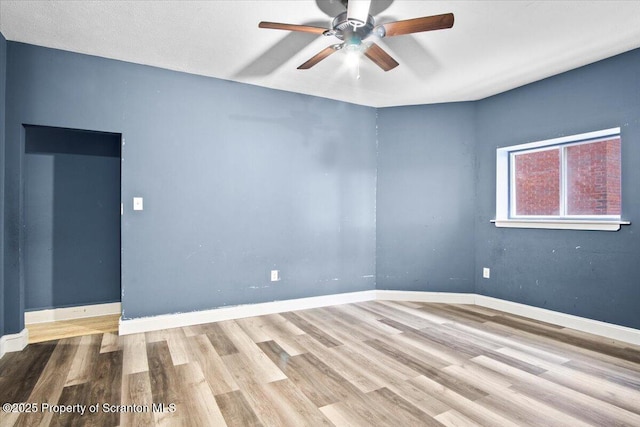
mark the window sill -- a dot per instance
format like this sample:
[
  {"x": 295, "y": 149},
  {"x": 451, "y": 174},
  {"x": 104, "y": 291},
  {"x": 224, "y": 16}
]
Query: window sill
[{"x": 561, "y": 224}]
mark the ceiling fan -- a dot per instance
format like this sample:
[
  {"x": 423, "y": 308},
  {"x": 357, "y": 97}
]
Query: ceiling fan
[{"x": 355, "y": 25}]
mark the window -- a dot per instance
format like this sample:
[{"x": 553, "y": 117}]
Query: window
[{"x": 570, "y": 182}]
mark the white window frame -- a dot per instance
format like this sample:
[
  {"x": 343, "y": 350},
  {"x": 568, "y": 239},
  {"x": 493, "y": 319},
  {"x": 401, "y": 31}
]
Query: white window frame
[{"x": 505, "y": 187}]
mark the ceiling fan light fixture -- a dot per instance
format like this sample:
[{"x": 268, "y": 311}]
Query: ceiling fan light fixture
[
  {"x": 353, "y": 42},
  {"x": 352, "y": 61}
]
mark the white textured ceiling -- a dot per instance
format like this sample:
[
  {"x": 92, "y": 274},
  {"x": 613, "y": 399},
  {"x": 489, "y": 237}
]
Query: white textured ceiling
[{"x": 493, "y": 46}]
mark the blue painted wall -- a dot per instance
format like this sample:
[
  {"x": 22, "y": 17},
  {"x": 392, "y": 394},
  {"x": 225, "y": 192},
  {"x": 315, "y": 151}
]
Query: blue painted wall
[
  {"x": 237, "y": 180},
  {"x": 3, "y": 85},
  {"x": 71, "y": 218},
  {"x": 425, "y": 205},
  {"x": 593, "y": 274}
]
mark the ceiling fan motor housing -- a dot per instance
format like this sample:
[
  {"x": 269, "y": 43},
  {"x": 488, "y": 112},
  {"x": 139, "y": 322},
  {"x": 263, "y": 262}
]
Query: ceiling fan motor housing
[{"x": 344, "y": 30}]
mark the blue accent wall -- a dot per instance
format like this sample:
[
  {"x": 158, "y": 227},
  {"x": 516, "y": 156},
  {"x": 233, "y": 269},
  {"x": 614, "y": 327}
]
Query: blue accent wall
[
  {"x": 71, "y": 218},
  {"x": 237, "y": 180},
  {"x": 425, "y": 205},
  {"x": 593, "y": 274},
  {"x": 3, "y": 85}
]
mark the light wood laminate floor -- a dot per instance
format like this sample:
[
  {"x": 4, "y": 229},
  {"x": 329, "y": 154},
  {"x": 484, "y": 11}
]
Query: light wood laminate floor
[
  {"x": 364, "y": 364},
  {"x": 39, "y": 332}
]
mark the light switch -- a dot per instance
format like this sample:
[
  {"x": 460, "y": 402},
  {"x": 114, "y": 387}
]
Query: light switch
[{"x": 137, "y": 203}]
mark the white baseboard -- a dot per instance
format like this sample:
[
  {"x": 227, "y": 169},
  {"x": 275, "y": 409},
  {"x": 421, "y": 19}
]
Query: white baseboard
[
  {"x": 154, "y": 323},
  {"x": 596, "y": 327},
  {"x": 70, "y": 313},
  {"x": 14, "y": 342}
]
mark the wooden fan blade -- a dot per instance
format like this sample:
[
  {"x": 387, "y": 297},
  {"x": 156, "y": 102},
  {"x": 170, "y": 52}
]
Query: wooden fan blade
[
  {"x": 380, "y": 57},
  {"x": 292, "y": 27},
  {"x": 317, "y": 57},
  {"x": 417, "y": 25}
]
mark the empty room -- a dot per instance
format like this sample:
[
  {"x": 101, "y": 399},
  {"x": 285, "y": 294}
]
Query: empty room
[{"x": 319, "y": 212}]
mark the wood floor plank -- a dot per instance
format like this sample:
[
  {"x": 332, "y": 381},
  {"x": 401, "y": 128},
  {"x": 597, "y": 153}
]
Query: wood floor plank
[
  {"x": 400, "y": 317},
  {"x": 400, "y": 410},
  {"x": 576, "y": 338},
  {"x": 262, "y": 404},
  {"x": 473, "y": 410},
  {"x": 213, "y": 367},
  {"x": 574, "y": 403},
  {"x": 572, "y": 351},
  {"x": 356, "y": 413},
  {"x": 479, "y": 376},
  {"x": 453, "y": 418},
  {"x": 317, "y": 333},
  {"x": 277, "y": 354},
  {"x": 420, "y": 349},
  {"x": 200, "y": 402},
  {"x": 625, "y": 377},
  {"x": 290, "y": 343},
  {"x": 430, "y": 317},
  {"x": 40, "y": 332},
  {"x": 84, "y": 360},
  {"x": 110, "y": 342},
  {"x": 220, "y": 341},
  {"x": 135, "y": 354},
  {"x": 106, "y": 386},
  {"x": 177, "y": 343},
  {"x": 136, "y": 390},
  {"x": 509, "y": 340},
  {"x": 463, "y": 388},
  {"x": 457, "y": 312},
  {"x": 51, "y": 381},
  {"x": 348, "y": 367},
  {"x": 378, "y": 408},
  {"x": 236, "y": 410},
  {"x": 166, "y": 387},
  {"x": 72, "y": 395},
  {"x": 260, "y": 365},
  {"x": 446, "y": 355},
  {"x": 343, "y": 332},
  {"x": 429, "y": 404},
  {"x": 373, "y": 368},
  {"x": 273, "y": 328},
  {"x": 352, "y": 314},
  {"x": 23, "y": 370},
  {"x": 294, "y": 406},
  {"x": 253, "y": 327},
  {"x": 524, "y": 410},
  {"x": 317, "y": 381},
  {"x": 618, "y": 395}
]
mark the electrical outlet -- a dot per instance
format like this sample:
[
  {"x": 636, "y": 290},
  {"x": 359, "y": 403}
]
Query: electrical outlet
[
  {"x": 486, "y": 272},
  {"x": 275, "y": 275},
  {"x": 137, "y": 204}
]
